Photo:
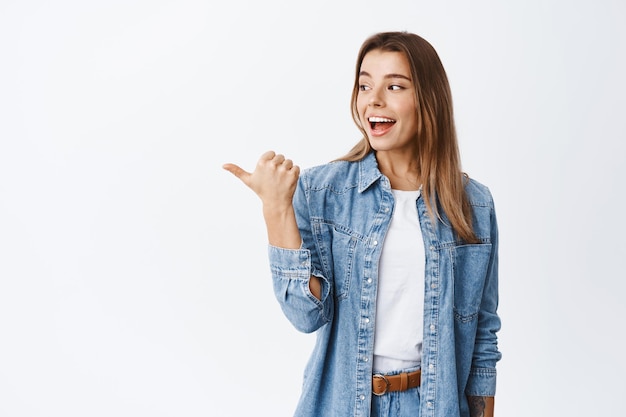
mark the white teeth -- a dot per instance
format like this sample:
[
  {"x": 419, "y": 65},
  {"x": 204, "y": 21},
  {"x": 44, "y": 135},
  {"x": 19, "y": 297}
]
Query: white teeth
[{"x": 380, "y": 120}]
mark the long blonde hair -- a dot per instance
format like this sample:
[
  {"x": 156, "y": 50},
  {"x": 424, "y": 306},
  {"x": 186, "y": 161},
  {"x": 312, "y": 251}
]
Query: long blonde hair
[{"x": 439, "y": 161}]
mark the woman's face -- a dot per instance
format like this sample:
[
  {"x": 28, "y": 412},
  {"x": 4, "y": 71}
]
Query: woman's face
[{"x": 386, "y": 102}]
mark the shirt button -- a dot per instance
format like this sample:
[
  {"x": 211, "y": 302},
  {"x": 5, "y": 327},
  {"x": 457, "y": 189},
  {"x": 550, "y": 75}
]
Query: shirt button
[
  {"x": 386, "y": 209},
  {"x": 433, "y": 285},
  {"x": 375, "y": 242},
  {"x": 432, "y": 247},
  {"x": 367, "y": 320},
  {"x": 362, "y": 397},
  {"x": 429, "y": 403},
  {"x": 366, "y": 359},
  {"x": 369, "y": 280},
  {"x": 432, "y": 327},
  {"x": 431, "y": 366}
]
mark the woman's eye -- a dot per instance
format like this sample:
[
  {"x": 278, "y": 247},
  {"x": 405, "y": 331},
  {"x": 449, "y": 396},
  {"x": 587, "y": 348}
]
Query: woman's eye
[
  {"x": 363, "y": 87},
  {"x": 395, "y": 87}
]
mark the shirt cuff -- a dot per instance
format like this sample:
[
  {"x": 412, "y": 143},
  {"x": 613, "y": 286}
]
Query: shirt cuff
[
  {"x": 481, "y": 383},
  {"x": 290, "y": 263}
]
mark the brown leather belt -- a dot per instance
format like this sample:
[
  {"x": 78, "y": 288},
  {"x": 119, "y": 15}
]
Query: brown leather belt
[{"x": 382, "y": 384}]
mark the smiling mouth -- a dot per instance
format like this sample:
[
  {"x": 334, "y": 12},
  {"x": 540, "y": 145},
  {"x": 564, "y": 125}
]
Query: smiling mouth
[{"x": 379, "y": 124}]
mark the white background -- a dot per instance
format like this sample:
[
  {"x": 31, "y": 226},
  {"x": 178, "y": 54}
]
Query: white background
[{"x": 133, "y": 270}]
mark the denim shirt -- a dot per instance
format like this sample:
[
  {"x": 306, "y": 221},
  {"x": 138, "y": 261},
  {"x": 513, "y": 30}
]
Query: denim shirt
[{"x": 343, "y": 210}]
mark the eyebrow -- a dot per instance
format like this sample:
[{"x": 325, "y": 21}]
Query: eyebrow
[{"x": 387, "y": 76}]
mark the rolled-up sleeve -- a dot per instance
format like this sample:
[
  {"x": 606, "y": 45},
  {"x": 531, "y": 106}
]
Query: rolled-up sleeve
[{"x": 291, "y": 272}]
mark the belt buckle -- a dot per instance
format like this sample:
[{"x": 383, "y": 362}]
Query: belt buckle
[{"x": 384, "y": 378}]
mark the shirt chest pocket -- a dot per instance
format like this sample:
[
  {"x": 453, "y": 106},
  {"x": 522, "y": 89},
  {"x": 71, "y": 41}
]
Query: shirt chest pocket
[
  {"x": 469, "y": 265},
  {"x": 337, "y": 247}
]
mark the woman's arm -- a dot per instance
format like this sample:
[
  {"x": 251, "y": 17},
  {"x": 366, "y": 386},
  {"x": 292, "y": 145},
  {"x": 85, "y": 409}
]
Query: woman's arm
[
  {"x": 274, "y": 180},
  {"x": 481, "y": 406}
]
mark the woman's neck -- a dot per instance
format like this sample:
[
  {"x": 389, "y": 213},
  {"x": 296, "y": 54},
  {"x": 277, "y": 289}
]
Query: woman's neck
[{"x": 402, "y": 172}]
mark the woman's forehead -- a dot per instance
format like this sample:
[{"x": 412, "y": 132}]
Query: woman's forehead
[{"x": 383, "y": 63}]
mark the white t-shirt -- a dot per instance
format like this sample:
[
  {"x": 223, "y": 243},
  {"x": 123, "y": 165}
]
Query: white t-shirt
[{"x": 400, "y": 300}]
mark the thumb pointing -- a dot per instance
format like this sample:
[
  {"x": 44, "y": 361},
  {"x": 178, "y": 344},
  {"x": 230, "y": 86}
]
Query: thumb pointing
[{"x": 237, "y": 171}]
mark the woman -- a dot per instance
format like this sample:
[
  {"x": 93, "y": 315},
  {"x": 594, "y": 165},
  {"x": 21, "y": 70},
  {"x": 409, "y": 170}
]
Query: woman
[{"x": 389, "y": 253}]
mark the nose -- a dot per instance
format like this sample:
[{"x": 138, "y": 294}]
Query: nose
[{"x": 376, "y": 99}]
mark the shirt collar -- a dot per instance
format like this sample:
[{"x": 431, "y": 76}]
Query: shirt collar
[{"x": 368, "y": 171}]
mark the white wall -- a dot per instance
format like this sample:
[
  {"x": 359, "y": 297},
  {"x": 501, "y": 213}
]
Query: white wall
[{"x": 133, "y": 271}]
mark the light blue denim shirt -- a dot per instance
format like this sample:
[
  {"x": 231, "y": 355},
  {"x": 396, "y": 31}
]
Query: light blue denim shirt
[{"x": 343, "y": 210}]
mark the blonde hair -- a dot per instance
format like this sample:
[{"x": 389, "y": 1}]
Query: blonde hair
[{"x": 439, "y": 160}]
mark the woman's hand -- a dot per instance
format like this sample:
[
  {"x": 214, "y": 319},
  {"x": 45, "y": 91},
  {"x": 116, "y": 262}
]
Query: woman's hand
[{"x": 274, "y": 179}]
